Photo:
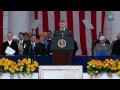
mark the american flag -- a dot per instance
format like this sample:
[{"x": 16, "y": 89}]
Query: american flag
[
  {"x": 1, "y": 30},
  {"x": 49, "y": 20}
]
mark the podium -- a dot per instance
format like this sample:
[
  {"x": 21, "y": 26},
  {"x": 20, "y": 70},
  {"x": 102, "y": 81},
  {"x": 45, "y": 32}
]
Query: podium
[{"x": 62, "y": 48}]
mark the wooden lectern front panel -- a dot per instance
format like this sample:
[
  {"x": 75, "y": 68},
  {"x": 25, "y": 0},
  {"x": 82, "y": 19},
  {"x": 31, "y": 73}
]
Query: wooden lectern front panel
[{"x": 62, "y": 58}]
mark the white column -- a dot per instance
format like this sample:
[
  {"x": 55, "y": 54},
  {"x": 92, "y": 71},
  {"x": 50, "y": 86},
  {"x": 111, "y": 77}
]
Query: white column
[
  {"x": 115, "y": 25},
  {"x": 18, "y": 21}
]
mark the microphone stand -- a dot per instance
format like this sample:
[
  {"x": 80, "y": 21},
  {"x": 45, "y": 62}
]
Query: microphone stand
[{"x": 29, "y": 53}]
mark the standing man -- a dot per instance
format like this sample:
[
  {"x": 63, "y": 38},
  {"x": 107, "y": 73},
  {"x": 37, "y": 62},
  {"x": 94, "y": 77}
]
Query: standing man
[
  {"x": 12, "y": 44},
  {"x": 21, "y": 43},
  {"x": 49, "y": 36},
  {"x": 63, "y": 31}
]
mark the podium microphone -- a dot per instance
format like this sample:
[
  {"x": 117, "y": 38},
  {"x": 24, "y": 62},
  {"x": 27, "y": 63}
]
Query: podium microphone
[
  {"x": 62, "y": 34},
  {"x": 29, "y": 54}
]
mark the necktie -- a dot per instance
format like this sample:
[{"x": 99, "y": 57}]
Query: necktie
[
  {"x": 20, "y": 42},
  {"x": 46, "y": 44},
  {"x": 33, "y": 46}
]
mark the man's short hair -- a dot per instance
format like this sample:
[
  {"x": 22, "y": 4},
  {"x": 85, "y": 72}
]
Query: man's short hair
[
  {"x": 21, "y": 33},
  {"x": 25, "y": 33},
  {"x": 100, "y": 33},
  {"x": 9, "y": 33},
  {"x": 37, "y": 37},
  {"x": 62, "y": 21},
  {"x": 50, "y": 31},
  {"x": 33, "y": 35}
]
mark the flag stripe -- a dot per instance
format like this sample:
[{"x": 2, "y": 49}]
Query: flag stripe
[
  {"x": 99, "y": 20},
  {"x": 76, "y": 30},
  {"x": 45, "y": 21},
  {"x": 40, "y": 27},
  {"x": 63, "y": 16},
  {"x": 1, "y": 30},
  {"x": 57, "y": 19},
  {"x": 36, "y": 17},
  {"x": 88, "y": 33},
  {"x": 82, "y": 33},
  {"x": 93, "y": 21},
  {"x": 51, "y": 22},
  {"x": 103, "y": 20},
  {"x": 70, "y": 20}
]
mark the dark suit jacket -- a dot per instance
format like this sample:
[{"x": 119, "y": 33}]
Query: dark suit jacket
[
  {"x": 67, "y": 33},
  {"x": 116, "y": 48},
  {"x": 39, "y": 49},
  {"x": 48, "y": 51},
  {"x": 75, "y": 48},
  {"x": 13, "y": 46}
]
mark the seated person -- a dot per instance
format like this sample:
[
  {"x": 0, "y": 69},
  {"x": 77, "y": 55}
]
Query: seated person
[
  {"x": 116, "y": 46},
  {"x": 98, "y": 41},
  {"x": 102, "y": 46}
]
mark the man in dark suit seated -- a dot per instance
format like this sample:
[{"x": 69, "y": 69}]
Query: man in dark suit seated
[
  {"x": 12, "y": 44},
  {"x": 33, "y": 48},
  {"x": 115, "y": 46},
  {"x": 62, "y": 31}
]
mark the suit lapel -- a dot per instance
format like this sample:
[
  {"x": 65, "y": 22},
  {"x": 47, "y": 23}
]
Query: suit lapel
[
  {"x": 7, "y": 43},
  {"x": 12, "y": 44}
]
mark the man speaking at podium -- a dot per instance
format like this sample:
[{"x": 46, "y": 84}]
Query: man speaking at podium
[
  {"x": 62, "y": 32},
  {"x": 62, "y": 45}
]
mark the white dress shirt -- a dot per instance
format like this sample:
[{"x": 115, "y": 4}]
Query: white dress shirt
[
  {"x": 33, "y": 43},
  {"x": 62, "y": 29},
  {"x": 20, "y": 41},
  {"x": 49, "y": 39},
  {"x": 10, "y": 42}
]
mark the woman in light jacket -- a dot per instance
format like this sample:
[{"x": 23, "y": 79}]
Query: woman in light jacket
[{"x": 102, "y": 46}]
